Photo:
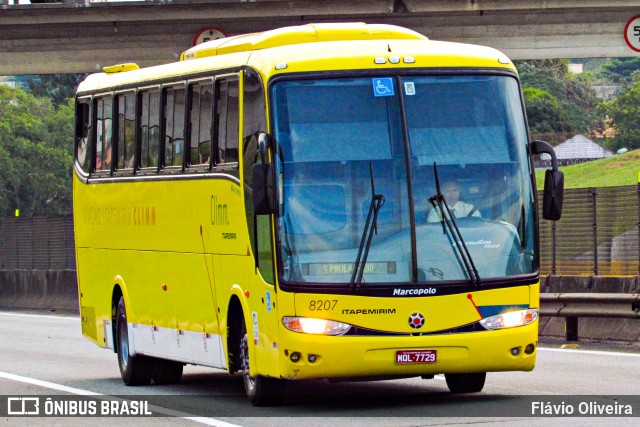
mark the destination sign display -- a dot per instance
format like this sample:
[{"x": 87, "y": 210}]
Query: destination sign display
[{"x": 337, "y": 268}]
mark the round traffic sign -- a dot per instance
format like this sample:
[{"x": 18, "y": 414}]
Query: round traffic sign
[
  {"x": 208, "y": 34},
  {"x": 632, "y": 33}
]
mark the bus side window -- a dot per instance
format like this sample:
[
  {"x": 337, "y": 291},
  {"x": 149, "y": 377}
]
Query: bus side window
[
  {"x": 227, "y": 120},
  {"x": 104, "y": 129},
  {"x": 174, "y": 127},
  {"x": 255, "y": 122},
  {"x": 84, "y": 134},
  {"x": 149, "y": 128},
  {"x": 200, "y": 114},
  {"x": 126, "y": 130}
]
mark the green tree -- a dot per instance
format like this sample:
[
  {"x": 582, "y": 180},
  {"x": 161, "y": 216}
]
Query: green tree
[
  {"x": 581, "y": 103},
  {"x": 544, "y": 112},
  {"x": 620, "y": 70},
  {"x": 35, "y": 154},
  {"x": 624, "y": 112},
  {"x": 567, "y": 102},
  {"x": 547, "y": 74},
  {"x": 57, "y": 87}
]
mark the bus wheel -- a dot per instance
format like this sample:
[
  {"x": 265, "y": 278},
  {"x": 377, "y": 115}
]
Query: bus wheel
[
  {"x": 262, "y": 391},
  {"x": 135, "y": 370},
  {"x": 167, "y": 371},
  {"x": 465, "y": 383}
]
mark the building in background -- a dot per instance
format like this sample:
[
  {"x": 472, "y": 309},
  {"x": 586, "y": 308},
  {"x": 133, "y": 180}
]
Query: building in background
[{"x": 578, "y": 149}]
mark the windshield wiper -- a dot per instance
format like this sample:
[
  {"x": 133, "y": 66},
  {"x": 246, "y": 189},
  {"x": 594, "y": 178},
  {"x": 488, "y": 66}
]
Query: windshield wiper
[
  {"x": 449, "y": 223},
  {"x": 290, "y": 250},
  {"x": 370, "y": 227}
]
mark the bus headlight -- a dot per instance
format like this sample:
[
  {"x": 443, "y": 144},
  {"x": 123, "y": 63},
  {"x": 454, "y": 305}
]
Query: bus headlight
[
  {"x": 306, "y": 325},
  {"x": 511, "y": 319}
]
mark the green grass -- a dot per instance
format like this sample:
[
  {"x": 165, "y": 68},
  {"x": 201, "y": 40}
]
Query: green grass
[{"x": 621, "y": 169}]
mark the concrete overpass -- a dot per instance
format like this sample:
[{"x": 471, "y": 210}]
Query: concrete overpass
[{"x": 85, "y": 35}]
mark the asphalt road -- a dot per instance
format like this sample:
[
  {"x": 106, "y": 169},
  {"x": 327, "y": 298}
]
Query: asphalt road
[{"x": 46, "y": 356}]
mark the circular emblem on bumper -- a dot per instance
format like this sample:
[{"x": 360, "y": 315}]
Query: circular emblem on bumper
[{"x": 416, "y": 320}]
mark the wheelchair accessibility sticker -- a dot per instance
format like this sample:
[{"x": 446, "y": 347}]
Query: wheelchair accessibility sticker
[{"x": 383, "y": 86}]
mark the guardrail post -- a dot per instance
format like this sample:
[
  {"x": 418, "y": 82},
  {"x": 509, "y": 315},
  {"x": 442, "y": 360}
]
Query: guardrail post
[
  {"x": 571, "y": 328},
  {"x": 638, "y": 191},
  {"x": 2, "y": 246},
  {"x": 594, "y": 193},
  {"x": 553, "y": 243},
  {"x": 18, "y": 266}
]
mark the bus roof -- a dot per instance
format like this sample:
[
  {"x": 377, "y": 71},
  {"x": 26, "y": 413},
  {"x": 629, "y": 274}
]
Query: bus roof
[
  {"x": 350, "y": 46},
  {"x": 310, "y": 33}
]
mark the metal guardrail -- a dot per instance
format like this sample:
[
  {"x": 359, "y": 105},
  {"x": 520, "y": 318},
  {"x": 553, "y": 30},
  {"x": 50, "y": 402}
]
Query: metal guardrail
[
  {"x": 89, "y": 3},
  {"x": 571, "y": 306}
]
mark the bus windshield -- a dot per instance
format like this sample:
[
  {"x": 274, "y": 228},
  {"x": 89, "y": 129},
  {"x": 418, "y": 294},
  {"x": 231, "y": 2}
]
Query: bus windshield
[{"x": 341, "y": 142}]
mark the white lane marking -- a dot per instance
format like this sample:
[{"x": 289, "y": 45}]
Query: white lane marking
[
  {"x": 46, "y": 384},
  {"x": 46, "y": 316},
  {"x": 594, "y": 352},
  {"x": 81, "y": 392}
]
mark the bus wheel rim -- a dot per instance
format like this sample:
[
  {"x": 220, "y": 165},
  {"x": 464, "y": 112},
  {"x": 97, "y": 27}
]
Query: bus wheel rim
[
  {"x": 124, "y": 344},
  {"x": 249, "y": 381}
]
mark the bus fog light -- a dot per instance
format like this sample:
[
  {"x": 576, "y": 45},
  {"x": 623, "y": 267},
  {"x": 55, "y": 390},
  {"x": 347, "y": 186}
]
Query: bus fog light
[
  {"x": 529, "y": 349},
  {"x": 308, "y": 325},
  {"x": 511, "y": 319},
  {"x": 515, "y": 351},
  {"x": 295, "y": 357},
  {"x": 312, "y": 358}
]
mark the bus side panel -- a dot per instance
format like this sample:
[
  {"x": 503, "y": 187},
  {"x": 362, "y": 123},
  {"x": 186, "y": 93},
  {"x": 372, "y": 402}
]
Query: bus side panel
[
  {"x": 534, "y": 299},
  {"x": 95, "y": 300},
  {"x": 210, "y": 345},
  {"x": 186, "y": 216},
  {"x": 159, "y": 237},
  {"x": 170, "y": 307},
  {"x": 237, "y": 277},
  {"x": 265, "y": 320}
]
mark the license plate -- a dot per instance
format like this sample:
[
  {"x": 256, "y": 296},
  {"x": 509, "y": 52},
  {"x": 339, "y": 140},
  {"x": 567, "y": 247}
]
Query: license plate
[{"x": 416, "y": 356}]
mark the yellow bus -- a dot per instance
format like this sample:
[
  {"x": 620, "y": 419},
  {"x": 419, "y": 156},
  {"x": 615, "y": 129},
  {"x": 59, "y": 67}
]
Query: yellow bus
[{"x": 325, "y": 201}]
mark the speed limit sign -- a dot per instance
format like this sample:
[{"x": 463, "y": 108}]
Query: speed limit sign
[
  {"x": 632, "y": 33},
  {"x": 208, "y": 34}
]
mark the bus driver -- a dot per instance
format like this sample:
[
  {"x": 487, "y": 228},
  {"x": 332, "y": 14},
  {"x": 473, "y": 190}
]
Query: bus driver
[{"x": 460, "y": 209}]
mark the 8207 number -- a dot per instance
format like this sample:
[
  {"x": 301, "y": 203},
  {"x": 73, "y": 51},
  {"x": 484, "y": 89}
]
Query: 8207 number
[{"x": 322, "y": 305}]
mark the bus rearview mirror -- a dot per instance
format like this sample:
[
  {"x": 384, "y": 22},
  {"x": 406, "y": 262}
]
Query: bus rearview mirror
[{"x": 553, "y": 195}]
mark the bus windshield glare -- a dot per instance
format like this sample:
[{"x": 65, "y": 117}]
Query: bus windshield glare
[{"x": 407, "y": 139}]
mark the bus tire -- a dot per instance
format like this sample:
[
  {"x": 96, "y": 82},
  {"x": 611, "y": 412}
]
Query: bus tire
[
  {"x": 465, "y": 383},
  {"x": 167, "y": 372},
  {"x": 135, "y": 370},
  {"x": 262, "y": 391}
]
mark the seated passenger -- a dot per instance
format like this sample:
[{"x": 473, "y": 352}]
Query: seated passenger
[{"x": 459, "y": 209}]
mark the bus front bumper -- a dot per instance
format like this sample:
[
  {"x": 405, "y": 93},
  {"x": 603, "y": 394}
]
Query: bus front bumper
[{"x": 317, "y": 356}]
